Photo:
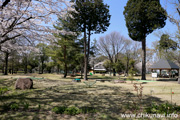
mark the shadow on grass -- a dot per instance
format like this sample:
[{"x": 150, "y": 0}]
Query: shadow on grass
[
  {"x": 110, "y": 102},
  {"x": 167, "y": 79}
]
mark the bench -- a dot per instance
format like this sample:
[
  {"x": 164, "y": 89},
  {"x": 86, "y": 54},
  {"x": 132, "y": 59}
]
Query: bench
[
  {"x": 76, "y": 80},
  {"x": 102, "y": 80}
]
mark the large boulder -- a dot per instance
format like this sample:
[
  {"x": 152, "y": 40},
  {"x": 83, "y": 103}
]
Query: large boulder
[{"x": 24, "y": 83}]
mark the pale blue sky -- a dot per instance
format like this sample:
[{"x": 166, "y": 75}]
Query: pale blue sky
[{"x": 118, "y": 21}]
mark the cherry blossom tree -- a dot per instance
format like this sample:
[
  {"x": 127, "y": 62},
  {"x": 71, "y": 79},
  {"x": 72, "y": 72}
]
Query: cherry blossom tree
[
  {"x": 17, "y": 45},
  {"x": 30, "y": 20}
]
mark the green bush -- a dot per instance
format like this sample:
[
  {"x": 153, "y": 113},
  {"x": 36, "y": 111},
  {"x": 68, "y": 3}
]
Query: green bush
[
  {"x": 85, "y": 110},
  {"x": 165, "y": 108},
  {"x": 25, "y": 105},
  {"x": 10, "y": 106},
  {"x": 59, "y": 110},
  {"x": 14, "y": 106},
  {"x": 73, "y": 110},
  {"x": 39, "y": 106},
  {"x": 3, "y": 90}
]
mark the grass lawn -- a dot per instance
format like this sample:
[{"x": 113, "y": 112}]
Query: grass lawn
[{"x": 109, "y": 99}]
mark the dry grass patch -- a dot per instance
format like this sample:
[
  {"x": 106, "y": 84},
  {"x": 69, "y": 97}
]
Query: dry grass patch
[{"x": 109, "y": 99}]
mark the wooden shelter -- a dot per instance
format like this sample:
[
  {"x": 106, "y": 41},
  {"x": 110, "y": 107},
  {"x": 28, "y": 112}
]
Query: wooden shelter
[{"x": 164, "y": 64}]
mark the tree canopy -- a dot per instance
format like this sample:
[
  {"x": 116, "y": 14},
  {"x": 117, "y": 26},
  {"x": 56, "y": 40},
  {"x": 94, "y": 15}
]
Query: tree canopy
[
  {"x": 143, "y": 17},
  {"x": 166, "y": 43}
]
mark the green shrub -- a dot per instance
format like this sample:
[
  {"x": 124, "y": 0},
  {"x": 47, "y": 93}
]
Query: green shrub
[
  {"x": 165, "y": 108},
  {"x": 3, "y": 90},
  {"x": 25, "y": 105},
  {"x": 39, "y": 106},
  {"x": 73, "y": 110},
  {"x": 14, "y": 106},
  {"x": 88, "y": 110},
  {"x": 59, "y": 110}
]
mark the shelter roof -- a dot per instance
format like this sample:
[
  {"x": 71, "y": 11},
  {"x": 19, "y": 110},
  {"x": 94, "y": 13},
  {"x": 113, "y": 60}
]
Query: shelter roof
[{"x": 164, "y": 64}]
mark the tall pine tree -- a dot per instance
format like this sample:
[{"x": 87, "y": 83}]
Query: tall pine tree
[
  {"x": 91, "y": 16},
  {"x": 142, "y": 18}
]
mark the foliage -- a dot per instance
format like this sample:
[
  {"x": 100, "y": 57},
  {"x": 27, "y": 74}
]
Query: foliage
[
  {"x": 59, "y": 110},
  {"x": 3, "y": 90},
  {"x": 14, "y": 106},
  {"x": 90, "y": 16},
  {"x": 132, "y": 69},
  {"x": 166, "y": 43},
  {"x": 107, "y": 64},
  {"x": 145, "y": 16},
  {"x": 25, "y": 105},
  {"x": 142, "y": 18},
  {"x": 67, "y": 44},
  {"x": 73, "y": 110},
  {"x": 119, "y": 66},
  {"x": 164, "y": 108}
]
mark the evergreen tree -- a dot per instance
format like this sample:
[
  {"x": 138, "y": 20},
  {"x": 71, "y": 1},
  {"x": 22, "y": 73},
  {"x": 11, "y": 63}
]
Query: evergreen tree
[
  {"x": 66, "y": 41},
  {"x": 142, "y": 18},
  {"x": 166, "y": 43},
  {"x": 91, "y": 16}
]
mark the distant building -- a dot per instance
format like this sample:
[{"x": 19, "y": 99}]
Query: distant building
[{"x": 99, "y": 67}]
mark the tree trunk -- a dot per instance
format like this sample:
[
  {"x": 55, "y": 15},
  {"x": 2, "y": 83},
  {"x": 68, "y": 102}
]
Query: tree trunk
[
  {"x": 58, "y": 69},
  {"x": 12, "y": 66},
  {"x": 85, "y": 54},
  {"x": 143, "y": 59},
  {"x": 89, "y": 39},
  {"x": 65, "y": 70},
  {"x": 81, "y": 70},
  {"x": 25, "y": 67},
  {"x": 6, "y": 63},
  {"x": 127, "y": 67},
  {"x": 42, "y": 70},
  {"x": 114, "y": 72},
  {"x": 65, "y": 62}
]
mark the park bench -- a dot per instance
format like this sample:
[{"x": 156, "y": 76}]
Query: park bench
[{"x": 102, "y": 80}]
